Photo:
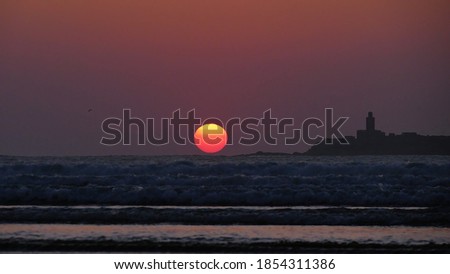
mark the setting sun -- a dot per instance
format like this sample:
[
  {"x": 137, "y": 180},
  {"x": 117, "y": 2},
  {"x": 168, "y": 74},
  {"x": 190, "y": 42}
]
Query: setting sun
[{"x": 210, "y": 138}]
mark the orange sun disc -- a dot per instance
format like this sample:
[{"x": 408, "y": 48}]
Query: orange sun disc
[{"x": 210, "y": 138}]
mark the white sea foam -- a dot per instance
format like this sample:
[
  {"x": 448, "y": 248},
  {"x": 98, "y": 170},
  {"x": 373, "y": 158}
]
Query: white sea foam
[{"x": 240, "y": 181}]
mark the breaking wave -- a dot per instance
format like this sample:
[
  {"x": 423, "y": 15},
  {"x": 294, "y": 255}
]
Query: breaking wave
[{"x": 226, "y": 181}]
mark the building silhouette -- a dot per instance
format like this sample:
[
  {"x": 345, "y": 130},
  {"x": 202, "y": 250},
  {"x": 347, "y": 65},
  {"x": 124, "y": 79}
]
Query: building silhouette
[
  {"x": 371, "y": 141},
  {"x": 370, "y": 122}
]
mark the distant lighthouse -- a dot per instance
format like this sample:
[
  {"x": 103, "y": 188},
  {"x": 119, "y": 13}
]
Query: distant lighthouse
[{"x": 370, "y": 122}]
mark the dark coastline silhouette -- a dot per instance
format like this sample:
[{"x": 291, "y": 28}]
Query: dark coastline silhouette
[{"x": 371, "y": 141}]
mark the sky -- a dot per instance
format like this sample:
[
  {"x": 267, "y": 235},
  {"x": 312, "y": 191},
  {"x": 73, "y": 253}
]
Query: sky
[{"x": 235, "y": 58}]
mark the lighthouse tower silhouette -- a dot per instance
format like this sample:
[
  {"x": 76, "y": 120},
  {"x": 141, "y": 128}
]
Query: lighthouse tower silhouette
[{"x": 370, "y": 122}]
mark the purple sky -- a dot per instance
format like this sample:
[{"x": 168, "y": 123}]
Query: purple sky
[{"x": 225, "y": 59}]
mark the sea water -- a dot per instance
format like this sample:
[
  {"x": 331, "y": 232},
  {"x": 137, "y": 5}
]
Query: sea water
[{"x": 260, "y": 203}]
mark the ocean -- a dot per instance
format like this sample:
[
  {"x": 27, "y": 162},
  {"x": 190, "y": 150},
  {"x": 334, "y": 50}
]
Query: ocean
[{"x": 220, "y": 204}]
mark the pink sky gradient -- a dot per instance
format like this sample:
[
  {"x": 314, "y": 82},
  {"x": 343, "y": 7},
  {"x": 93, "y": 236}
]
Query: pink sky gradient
[{"x": 225, "y": 58}]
